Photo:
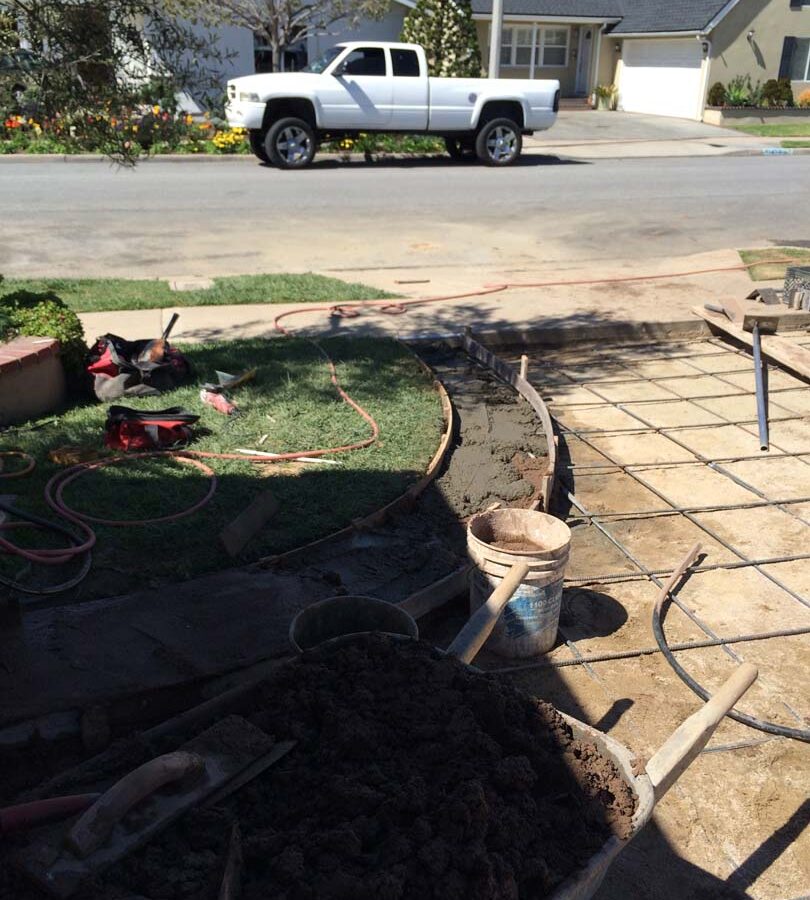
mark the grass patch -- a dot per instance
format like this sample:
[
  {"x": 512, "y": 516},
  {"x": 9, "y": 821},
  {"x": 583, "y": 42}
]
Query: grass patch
[
  {"x": 293, "y": 402},
  {"x": 793, "y": 129},
  {"x": 791, "y": 144},
  {"x": 769, "y": 271},
  {"x": 102, "y": 294}
]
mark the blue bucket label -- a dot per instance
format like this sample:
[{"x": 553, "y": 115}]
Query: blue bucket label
[{"x": 533, "y": 608}]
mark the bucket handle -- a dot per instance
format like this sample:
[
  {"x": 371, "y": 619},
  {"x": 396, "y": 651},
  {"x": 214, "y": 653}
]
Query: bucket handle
[
  {"x": 470, "y": 639},
  {"x": 691, "y": 736}
]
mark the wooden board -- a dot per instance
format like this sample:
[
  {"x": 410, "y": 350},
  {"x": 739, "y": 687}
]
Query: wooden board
[
  {"x": 235, "y": 535},
  {"x": 774, "y": 346}
]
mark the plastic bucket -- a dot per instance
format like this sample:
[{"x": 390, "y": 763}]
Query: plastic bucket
[
  {"x": 338, "y": 617},
  {"x": 528, "y": 624}
]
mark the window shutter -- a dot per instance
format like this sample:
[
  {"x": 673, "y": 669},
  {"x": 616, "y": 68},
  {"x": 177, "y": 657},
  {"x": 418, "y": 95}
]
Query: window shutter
[{"x": 788, "y": 49}]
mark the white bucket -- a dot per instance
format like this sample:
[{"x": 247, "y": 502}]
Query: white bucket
[{"x": 528, "y": 624}]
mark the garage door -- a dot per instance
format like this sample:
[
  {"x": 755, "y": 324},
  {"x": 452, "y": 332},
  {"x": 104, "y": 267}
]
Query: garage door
[{"x": 661, "y": 77}]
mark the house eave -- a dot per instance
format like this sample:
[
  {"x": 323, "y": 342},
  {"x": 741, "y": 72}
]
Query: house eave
[
  {"x": 720, "y": 16},
  {"x": 656, "y": 34},
  {"x": 536, "y": 17}
]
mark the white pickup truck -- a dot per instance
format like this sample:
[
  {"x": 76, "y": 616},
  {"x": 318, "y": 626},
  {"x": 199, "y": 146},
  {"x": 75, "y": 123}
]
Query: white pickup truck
[{"x": 371, "y": 86}]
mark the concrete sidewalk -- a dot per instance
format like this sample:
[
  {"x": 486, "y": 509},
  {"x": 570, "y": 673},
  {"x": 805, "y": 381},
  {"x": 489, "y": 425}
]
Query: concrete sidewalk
[
  {"x": 659, "y": 307},
  {"x": 593, "y": 134}
]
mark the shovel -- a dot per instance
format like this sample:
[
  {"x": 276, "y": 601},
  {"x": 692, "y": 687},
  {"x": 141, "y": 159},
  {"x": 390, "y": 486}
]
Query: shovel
[{"x": 147, "y": 800}]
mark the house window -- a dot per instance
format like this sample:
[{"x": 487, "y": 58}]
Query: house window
[
  {"x": 553, "y": 49},
  {"x": 507, "y": 37},
  {"x": 534, "y": 46},
  {"x": 523, "y": 46},
  {"x": 800, "y": 62}
]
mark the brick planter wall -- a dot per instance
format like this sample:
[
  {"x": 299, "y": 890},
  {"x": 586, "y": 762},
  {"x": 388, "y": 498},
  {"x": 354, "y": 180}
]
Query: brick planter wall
[
  {"x": 748, "y": 116},
  {"x": 32, "y": 380}
]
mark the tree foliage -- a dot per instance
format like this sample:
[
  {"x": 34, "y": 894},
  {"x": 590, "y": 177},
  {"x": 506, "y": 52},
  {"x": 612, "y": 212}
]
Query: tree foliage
[
  {"x": 283, "y": 23},
  {"x": 90, "y": 64},
  {"x": 445, "y": 28}
]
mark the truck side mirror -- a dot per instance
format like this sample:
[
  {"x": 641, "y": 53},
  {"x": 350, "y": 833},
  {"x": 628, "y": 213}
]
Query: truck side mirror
[{"x": 340, "y": 70}]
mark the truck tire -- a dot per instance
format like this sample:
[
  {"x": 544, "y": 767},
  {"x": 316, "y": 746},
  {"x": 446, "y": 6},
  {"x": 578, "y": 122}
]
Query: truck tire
[
  {"x": 460, "y": 149},
  {"x": 290, "y": 143},
  {"x": 499, "y": 142},
  {"x": 256, "y": 138}
]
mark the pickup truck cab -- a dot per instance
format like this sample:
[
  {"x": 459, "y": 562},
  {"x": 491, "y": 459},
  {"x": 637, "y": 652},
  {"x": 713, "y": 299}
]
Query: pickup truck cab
[{"x": 373, "y": 86}]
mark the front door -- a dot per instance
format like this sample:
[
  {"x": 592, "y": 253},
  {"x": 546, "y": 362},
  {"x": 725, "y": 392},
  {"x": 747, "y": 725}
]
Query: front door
[
  {"x": 359, "y": 93},
  {"x": 584, "y": 60}
]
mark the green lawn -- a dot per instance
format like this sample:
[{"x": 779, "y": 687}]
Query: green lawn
[
  {"x": 789, "y": 144},
  {"x": 99, "y": 294},
  {"x": 794, "y": 129},
  {"x": 768, "y": 271},
  {"x": 292, "y": 402}
]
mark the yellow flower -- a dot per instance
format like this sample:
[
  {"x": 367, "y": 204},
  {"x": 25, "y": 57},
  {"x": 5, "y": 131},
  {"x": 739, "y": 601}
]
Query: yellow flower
[{"x": 156, "y": 109}]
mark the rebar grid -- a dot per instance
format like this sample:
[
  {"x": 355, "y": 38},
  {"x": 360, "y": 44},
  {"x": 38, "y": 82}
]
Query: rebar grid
[{"x": 601, "y": 520}]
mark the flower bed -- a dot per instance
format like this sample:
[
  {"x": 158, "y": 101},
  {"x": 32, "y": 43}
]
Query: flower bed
[
  {"x": 152, "y": 130},
  {"x": 156, "y": 131}
]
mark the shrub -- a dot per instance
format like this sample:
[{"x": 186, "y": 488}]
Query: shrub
[
  {"x": 786, "y": 91},
  {"x": 777, "y": 93},
  {"x": 605, "y": 91},
  {"x": 717, "y": 94},
  {"x": 803, "y": 101},
  {"x": 445, "y": 28},
  {"x": 46, "y": 315},
  {"x": 740, "y": 91}
]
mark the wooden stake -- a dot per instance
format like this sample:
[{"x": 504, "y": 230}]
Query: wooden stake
[
  {"x": 524, "y": 367},
  {"x": 236, "y": 534}
]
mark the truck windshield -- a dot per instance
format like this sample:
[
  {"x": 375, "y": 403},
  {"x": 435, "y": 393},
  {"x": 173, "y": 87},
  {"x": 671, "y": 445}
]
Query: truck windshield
[{"x": 323, "y": 61}]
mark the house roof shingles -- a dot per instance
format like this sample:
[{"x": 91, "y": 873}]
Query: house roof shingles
[
  {"x": 667, "y": 15},
  {"x": 636, "y": 16}
]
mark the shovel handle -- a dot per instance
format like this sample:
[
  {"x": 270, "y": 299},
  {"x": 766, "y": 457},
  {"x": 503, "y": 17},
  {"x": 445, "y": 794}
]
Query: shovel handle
[
  {"x": 470, "y": 639},
  {"x": 26, "y": 815},
  {"x": 94, "y": 827},
  {"x": 671, "y": 760}
]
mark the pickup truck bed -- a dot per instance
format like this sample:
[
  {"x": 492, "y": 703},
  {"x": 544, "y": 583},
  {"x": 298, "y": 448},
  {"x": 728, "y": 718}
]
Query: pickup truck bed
[{"x": 366, "y": 87}]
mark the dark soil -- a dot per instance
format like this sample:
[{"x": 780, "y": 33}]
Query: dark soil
[{"x": 413, "y": 777}]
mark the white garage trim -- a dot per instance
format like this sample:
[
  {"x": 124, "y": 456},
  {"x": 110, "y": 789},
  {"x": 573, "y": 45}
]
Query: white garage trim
[{"x": 663, "y": 77}]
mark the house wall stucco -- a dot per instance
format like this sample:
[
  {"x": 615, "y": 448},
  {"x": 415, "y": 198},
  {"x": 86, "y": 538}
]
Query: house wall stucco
[
  {"x": 389, "y": 28},
  {"x": 733, "y": 54}
]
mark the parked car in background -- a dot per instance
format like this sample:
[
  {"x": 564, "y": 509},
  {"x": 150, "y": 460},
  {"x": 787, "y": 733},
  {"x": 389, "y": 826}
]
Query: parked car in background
[{"x": 380, "y": 87}]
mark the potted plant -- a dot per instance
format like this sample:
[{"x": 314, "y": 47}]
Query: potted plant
[{"x": 605, "y": 95}]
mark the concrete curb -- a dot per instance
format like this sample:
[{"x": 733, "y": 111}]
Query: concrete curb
[{"x": 561, "y": 336}]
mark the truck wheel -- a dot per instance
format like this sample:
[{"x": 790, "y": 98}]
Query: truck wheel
[
  {"x": 290, "y": 143},
  {"x": 499, "y": 142},
  {"x": 256, "y": 139},
  {"x": 460, "y": 149}
]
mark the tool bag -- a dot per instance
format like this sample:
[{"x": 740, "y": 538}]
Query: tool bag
[
  {"x": 122, "y": 368},
  {"x": 137, "y": 429}
]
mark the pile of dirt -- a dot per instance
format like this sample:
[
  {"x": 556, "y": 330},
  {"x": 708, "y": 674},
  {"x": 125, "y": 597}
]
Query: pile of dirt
[{"x": 413, "y": 777}]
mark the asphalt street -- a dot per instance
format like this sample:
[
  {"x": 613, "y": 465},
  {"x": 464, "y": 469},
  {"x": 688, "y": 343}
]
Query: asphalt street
[{"x": 172, "y": 218}]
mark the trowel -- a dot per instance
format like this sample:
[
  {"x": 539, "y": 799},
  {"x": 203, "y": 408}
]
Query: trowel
[{"x": 147, "y": 800}]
